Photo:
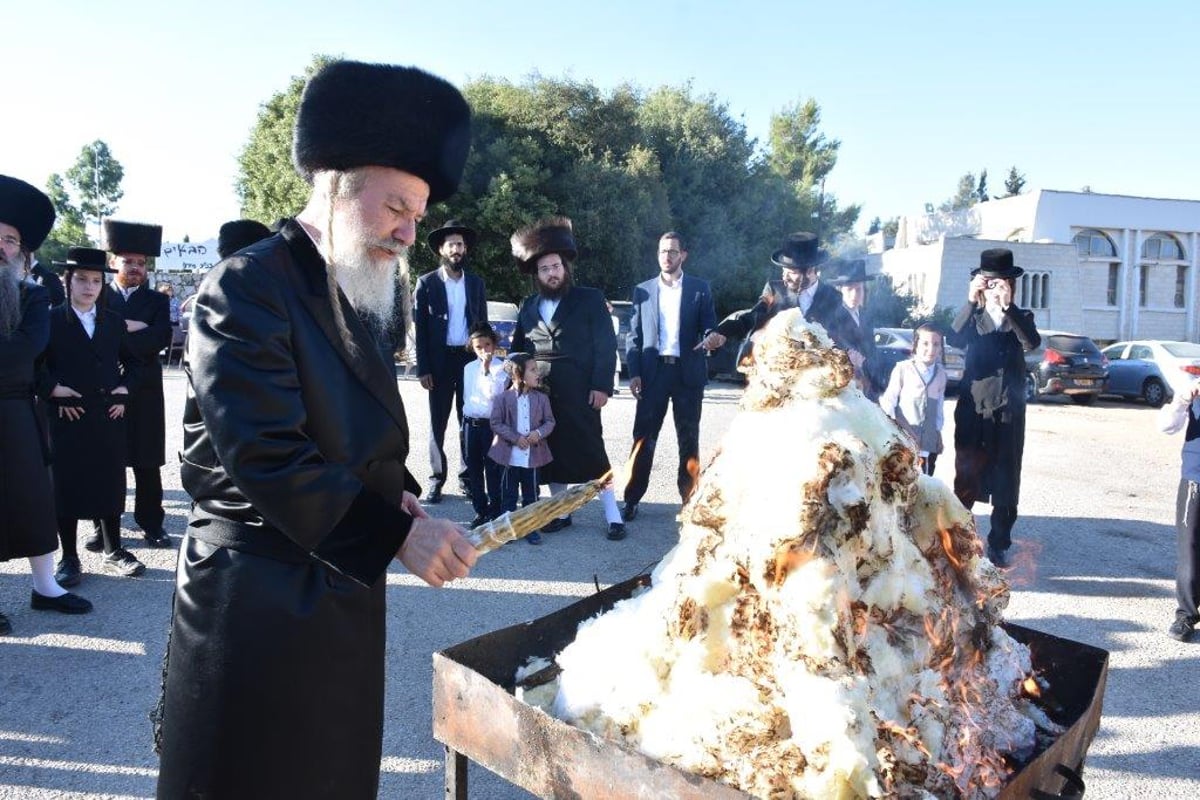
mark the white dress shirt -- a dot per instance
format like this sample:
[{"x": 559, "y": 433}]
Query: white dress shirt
[
  {"x": 456, "y": 303},
  {"x": 519, "y": 457},
  {"x": 123, "y": 292},
  {"x": 547, "y": 307},
  {"x": 670, "y": 301},
  {"x": 479, "y": 390},
  {"x": 806, "y": 298},
  {"x": 88, "y": 318}
]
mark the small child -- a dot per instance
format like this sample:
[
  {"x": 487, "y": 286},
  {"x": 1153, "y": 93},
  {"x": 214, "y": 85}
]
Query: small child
[
  {"x": 521, "y": 421},
  {"x": 916, "y": 394},
  {"x": 484, "y": 380}
]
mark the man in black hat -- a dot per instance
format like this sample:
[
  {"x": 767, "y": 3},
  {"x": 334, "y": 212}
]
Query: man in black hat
[
  {"x": 670, "y": 331},
  {"x": 238, "y": 234},
  {"x": 851, "y": 329},
  {"x": 295, "y": 441},
  {"x": 989, "y": 417},
  {"x": 799, "y": 286},
  {"x": 569, "y": 330},
  {"x": 449, "y": 302},
  {"x": 147, "y": 316},
  {"x": 27, "y": 524}
]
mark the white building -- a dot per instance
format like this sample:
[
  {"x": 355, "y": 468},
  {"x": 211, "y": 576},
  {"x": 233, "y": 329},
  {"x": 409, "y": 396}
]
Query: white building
[{"x": 1108, "y": 266}]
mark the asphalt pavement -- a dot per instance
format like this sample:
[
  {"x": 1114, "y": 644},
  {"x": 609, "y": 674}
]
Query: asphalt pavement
[{"x": 1096, "y": 537}]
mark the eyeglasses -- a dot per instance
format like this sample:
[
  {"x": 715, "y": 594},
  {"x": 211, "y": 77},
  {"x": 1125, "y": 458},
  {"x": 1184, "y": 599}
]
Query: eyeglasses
[
  {"x": 11, "y": 241},
  {"x": 545, "y": 269}
]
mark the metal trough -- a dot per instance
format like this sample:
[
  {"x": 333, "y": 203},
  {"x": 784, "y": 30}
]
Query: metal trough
[{"x": 477, "y": 717}]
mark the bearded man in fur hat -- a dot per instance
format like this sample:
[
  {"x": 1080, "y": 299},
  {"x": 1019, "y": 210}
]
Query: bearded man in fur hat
[
  {"x": 295, "y": 441},
  {"x": 568, "y": 328}
]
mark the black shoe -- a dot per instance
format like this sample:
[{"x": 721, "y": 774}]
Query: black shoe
[
  {"x": 68, "y": 573},
  {"x": 121, "y": 563},
  {"x": 479, "y": 520},
  {"x": 68, "y": 603},
  {"x": 998, "y": 557},
  {"x": 435, "y": 495},
  {"x": 5, "y": 626},
  {"x": 94, "y": 544},
  {"x": 1181, "y": 630},
  {"x": 629, "y": 512},
  {"x": 533, "y": 538},
  {"x": 157, "y": 538},
  {"x": 555, "y": 525},
  {"x": 616, "y": 531}
]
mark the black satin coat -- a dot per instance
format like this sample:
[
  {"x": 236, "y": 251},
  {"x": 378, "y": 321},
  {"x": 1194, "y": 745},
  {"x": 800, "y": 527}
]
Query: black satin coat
[
  {"x": 146, "y": 418},
  {"x": 579, "y": 349},
  {"x": 294, "y": 452}
]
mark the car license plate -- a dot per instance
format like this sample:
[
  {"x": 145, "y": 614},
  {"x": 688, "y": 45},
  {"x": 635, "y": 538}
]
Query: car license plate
[{"x": 1085, "y": 382}]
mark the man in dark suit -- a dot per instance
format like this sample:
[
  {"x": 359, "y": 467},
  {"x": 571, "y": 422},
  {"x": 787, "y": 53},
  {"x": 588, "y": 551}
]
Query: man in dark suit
[
  {"x": 147, "y": 316},
  {"x": 44, "y": 277},
  {"x": 449, "y": 300},
  {"x": 852, "y": 329},
  {"x": 671, "y": 330},
  {"x": 799, "y": 286}
]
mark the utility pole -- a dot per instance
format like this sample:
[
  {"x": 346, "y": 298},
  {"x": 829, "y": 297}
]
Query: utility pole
[{"x": 96, "y": 180}]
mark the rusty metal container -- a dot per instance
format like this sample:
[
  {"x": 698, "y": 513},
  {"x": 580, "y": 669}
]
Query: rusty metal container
[{"x": 477, "y": 717}]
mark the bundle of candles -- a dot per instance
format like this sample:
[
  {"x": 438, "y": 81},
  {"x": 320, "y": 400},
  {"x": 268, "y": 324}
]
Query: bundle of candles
[{"x": 512, "y": 525}]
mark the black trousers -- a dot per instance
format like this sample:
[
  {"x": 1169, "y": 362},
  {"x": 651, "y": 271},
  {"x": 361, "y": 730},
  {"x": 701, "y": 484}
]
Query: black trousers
[
  {"x": 447, "y": 391},
  {"x": 148, "y": 498},
  {"x": 1187, "y": 551},
  {"x": 483, "y": 474},
  {"x": 514, "y": 479},
  {"x": 109, "y": 530},
  {"x": 686, "y": 403}
]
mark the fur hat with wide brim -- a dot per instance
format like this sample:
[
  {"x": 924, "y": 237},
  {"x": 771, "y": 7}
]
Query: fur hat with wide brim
[
  {"x": 550, "y": 235},
  {"x": 132, "y": 237},
  {"x": 359, "y": 115},
  {"x": 802, "y": 250},
  {"x": 997, "y": 263},
  {"x": 438, "y": 235},
  {"x": 845, "y": 271},
  {"x": 239, "y": 233},
  {"x": 27, "y": 209},
  {"x": 88, "y": 258}
]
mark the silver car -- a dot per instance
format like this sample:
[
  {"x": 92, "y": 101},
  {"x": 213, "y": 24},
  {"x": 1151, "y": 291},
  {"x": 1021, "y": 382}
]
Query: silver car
[{"x": 1150, "y": 369}]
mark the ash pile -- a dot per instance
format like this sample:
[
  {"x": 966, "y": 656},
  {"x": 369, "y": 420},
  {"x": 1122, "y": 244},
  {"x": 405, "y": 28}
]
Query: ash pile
[{"x": 827, "y": 626}]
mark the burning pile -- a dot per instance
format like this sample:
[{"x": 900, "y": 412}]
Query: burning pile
[{"x": 826, "y": 626}]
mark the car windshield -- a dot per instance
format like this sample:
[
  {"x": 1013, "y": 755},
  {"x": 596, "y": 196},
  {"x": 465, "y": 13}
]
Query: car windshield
[
  {"x": 1182, "y": 349},
  {"x": 1079, "y": 345}
]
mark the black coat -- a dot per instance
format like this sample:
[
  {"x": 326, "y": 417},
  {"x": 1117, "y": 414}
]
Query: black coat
[
  {"x": 294, "y": 455},
  {"x": 89, "y": 453},
  {"x": 50, "y": 282},
  {"x": 850, "y": 335},
  {"x": 431, "y": 314},
  {"x": 27, "y": 524},
  {"x": 776, "y": 297},
  {"x": 989, "y": 417},
  {"x": 579, "y": 348},
  {"x": 146, "y": 415}
]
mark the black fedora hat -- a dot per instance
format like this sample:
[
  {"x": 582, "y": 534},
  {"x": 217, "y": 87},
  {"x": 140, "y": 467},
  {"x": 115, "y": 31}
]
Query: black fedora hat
[
  {"x": 845, "y": 271},
  {"x": 88, "y": 258},
  {"x": 239, "y": 233},
  {"x": 997, "y": 263},
  {"x": 27, "y": 209},
  {"x": 802, "y": 250},
  {"x": 438, "y": 235},
  {"x": 550, "y": 235}
]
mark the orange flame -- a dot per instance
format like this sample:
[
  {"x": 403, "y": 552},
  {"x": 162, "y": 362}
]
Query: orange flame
[
  {"x": 1022, "y": 569},
  {"x": 1030, "y": 687},
  {"x": 693, "y": 471},
  {"x": 627, "y": 471}
]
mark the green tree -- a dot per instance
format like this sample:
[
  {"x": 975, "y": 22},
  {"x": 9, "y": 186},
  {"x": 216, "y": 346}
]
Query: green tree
[
  {"x": 964, "y": 197},
  {"x": 96, "y": 178},
  {"x": 1014, "y": 184},
  {"x": 69, "y": 227},
  {"x": 981, "y": 191}
]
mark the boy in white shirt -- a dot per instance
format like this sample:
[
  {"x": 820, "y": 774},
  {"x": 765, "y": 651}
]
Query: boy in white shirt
[{"x": 483, "y": 380}]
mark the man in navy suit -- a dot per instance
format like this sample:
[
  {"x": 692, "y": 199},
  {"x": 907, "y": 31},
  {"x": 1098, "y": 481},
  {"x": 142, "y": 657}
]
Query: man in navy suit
[
  {"x": 670, "y": 331},
  {"x": 449, "y": 300}
]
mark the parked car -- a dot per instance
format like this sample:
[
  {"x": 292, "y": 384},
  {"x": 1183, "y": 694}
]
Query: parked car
[
  {"x": 1151, "y": 369},
  {"x": 894, "y": 345},
  {"x": 622, "y": 312},
  {"x": 1066, "y": 363},
  {"x": 503, "y": 318}
]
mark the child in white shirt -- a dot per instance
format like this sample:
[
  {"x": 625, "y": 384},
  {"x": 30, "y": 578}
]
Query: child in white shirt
[
  {"x": 483, "y": 380},
  {"x": 916, "y": 394}
]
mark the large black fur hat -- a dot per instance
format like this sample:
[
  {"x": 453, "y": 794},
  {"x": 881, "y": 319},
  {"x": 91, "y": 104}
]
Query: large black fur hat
[
  {"x": 802, "y": 250},
  {"x": 997, "y": 263},
  {"x": 356, "y": 115},
  {"x": 133, "y": 237},
  {"x": 437, "y": 236},
  {"x": 85, "y": 258},
  {"x": 239, "y": 233},
  {"x": 550, "y": 235},
  {"x": 26, "y": 209},
  {"x": 845, "y": 271}
]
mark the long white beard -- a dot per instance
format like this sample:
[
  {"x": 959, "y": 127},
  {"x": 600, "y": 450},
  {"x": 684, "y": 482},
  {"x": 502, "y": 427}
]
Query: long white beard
[
  {"x": 11, "y": 274},
  {"x": 369, "y": 283}
]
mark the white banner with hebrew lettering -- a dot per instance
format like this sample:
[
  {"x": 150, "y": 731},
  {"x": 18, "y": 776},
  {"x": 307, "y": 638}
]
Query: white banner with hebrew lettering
[{"x": 187, "y": 256}]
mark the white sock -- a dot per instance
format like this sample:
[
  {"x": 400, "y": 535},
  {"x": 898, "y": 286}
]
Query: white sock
[
  {"x": 44, "y": 584},
  {"x": 611, "y": 512}
]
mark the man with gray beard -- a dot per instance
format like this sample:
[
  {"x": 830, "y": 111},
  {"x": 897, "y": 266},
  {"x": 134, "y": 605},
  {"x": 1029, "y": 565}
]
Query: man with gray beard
[{"x": 295, "y": 440}]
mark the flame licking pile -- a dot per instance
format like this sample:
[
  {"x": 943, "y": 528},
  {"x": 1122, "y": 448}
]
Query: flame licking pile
[{"x": 826, "y": 626}]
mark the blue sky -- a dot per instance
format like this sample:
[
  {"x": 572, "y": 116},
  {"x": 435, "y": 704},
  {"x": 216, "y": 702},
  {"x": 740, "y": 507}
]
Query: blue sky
[{"x": 1074, "y": 93}]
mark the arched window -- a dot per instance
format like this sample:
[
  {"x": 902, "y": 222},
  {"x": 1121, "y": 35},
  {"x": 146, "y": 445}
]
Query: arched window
[
  {"x": 1162, "y": 247},
  {"x": 1094, "y": 244}
]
